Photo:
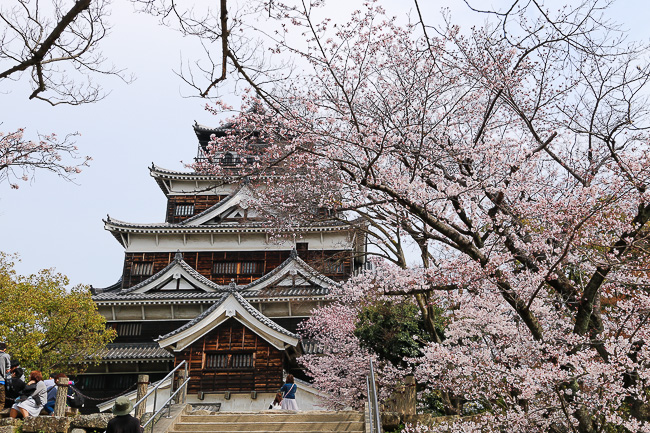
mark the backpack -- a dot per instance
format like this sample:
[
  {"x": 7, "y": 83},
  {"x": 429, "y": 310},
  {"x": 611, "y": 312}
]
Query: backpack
[{"x": 75, "y": 399}]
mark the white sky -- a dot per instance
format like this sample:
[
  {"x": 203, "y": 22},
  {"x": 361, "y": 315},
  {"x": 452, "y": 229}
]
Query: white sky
[{"x": 53, "y": 223}]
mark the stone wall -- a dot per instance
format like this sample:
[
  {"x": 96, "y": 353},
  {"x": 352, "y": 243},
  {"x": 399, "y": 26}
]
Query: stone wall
[
  {"x": 94, "y": 423},
  {"x": 390, "y": 421}
]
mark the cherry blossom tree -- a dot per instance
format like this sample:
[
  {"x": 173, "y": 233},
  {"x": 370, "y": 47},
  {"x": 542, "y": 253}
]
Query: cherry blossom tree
[
  {"x": 21, "y": 158},
  {"x": 514, "y": 158}
]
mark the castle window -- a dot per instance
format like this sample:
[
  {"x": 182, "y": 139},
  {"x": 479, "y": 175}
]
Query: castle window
[
  {"x": 237, "y": 268},
  {"x": 140, "y": 269},
  {"x": 334, "y": 267},
  {"x": 229, "y": 159},
  {"x": 184, "y": 210},
  {"x": 229, "y": 361},
  {"x": 128, "y": 329}
]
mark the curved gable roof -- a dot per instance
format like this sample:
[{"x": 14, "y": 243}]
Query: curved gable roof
[{"x": 230, "y": 305}]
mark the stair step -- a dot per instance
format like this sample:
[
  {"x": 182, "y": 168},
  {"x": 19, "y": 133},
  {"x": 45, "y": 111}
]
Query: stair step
[
  {"x": 280, "y": 417},
  {"x": 274, "y": 426},
  {"x": 271, "y": 422},
  {"x": 266, "y": 431}
]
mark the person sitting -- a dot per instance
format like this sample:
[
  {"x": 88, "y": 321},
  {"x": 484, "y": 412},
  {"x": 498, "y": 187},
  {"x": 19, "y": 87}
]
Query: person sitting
[
  {"x": 277, "y": 401},
  {"x": 52, "y": 390},
  {"x": 15, "y": 385},
  {"x": 32, "y": 399}
]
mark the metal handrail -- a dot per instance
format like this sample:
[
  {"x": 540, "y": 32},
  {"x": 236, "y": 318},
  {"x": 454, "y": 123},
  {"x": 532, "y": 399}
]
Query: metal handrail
[
  {"x": 155, "y": 388},
  {"x": 173, "y": 393},
  {"x": 373, "y": 403},
  {"x": 166, "y": 404},
  {"x": 368, "y": 407}
]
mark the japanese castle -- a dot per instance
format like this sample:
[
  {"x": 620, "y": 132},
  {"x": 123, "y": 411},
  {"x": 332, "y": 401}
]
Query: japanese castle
[{"x": 211, "y": 286}]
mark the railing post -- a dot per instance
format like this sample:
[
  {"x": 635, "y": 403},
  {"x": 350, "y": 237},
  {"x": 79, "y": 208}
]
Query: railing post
[
  {"x": 61, "y": 396},
  {"x": 180, "y": 397},
  {"x": 143, "y": 383}
]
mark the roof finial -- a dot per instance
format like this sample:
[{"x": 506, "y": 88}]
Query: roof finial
[
  {"x": 294, "y": 253},
  {"x": 178, "y": 256},
  {"x": 232, "y": 286}
]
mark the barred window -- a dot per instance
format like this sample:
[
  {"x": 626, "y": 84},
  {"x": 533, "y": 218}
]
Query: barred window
[
  {"x": 216, "y": 360},
  {"x": 142, "y": 268},
  {"x": 231, "y": 361},
  {"x": 236, "y": 268},
  {"x": 334, "y": 267},
  {"x": 184, "y": 210},
  {"x": 129, "y": 329}
]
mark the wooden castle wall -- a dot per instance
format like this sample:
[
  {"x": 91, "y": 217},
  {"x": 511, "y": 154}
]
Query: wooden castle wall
[
  {"x": 198, "y": 202},
  {"x": 203, "y": 262},
  {"x": 231, "y": 339}
]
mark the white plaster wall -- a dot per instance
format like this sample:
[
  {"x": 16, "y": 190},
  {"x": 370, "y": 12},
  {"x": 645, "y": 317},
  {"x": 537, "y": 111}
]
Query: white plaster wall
[
  {"x": 202, "y": 187},
  {"x": 231, "y": 242}
]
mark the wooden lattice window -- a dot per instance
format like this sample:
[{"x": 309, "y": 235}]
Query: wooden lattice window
[
  {"x": 139, "y": 269},
  {"x": 216, "y": 360},
  {"x": 128, "y": 329},
  {"x": 229, "y": 361},
  {"x": 337, "y": 267},
  {"x": 184, "y": 210},
  {"x": 237, "y": 268}
]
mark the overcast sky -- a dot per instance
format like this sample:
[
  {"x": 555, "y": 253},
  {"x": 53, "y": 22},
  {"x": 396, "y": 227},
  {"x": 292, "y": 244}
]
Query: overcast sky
[{"x": 53, "y": 223}]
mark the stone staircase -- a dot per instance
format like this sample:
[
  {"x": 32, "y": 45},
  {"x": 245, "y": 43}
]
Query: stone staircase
[{"x": 270, "y": 421}]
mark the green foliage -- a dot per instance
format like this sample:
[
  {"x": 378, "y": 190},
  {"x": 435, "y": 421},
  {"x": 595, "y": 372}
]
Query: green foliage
[
  {"x": 392, "y": 329},
  {"x": 46, "y": 326},
  {"x": 431, "y": 402}
]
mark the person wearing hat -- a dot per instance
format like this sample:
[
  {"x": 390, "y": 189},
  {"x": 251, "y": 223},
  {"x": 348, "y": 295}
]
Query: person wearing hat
[{"x": 123, "y": 422}]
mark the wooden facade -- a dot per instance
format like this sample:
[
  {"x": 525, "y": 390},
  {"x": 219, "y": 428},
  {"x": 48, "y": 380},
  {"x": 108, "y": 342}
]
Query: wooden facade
[
  {"x": 180, "y": 309},
  {"x": 232, "y": 358},
  {"x": 243, "y": 267},
  {"x": 179, "y": 208}
]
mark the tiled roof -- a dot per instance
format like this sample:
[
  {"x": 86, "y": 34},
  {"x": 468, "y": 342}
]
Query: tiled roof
[
  {"x": 198, "y": 318},
  {"x": 111, "y": 288},
  {"x": 178, "y": 260},
  {"x": 218, "y": 205},
  {"x": 273, "y": 293},
  {"x": 157, "y": 171},
  {"x": 247, "y": 291},
  {"x": 278, "y": 270},
  {"x": 135, "y": 351},
  {"x": 261, "y": 317},
  {"x": 222, "y": 227},
  {"x": 244, "y": 303},
  {"x": 282, "y": 292}
]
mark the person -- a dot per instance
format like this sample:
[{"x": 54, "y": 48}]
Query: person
[
  {"x": 52, "y": 390},
  {"x": 14, "y": 365},
  {"x": 277, "y": 401},
  {"x": 5, "y": 365},
  {"x": 15, "y": 385},
  {"x": 288, "y": 391},
  {"x": 32, "y": 399},
  {"x": 123, "y": 422},
  {"x": 50, "y": 382}
]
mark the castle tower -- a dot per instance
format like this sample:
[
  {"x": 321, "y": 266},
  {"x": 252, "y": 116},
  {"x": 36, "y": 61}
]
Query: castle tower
[{"x": 211, "y": 286}]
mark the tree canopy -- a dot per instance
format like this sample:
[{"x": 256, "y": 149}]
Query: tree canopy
[
  {"x": 46, "y": 326},
  {"x": 515, "y": 158}
]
